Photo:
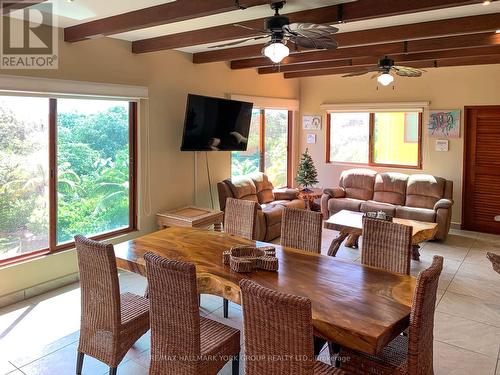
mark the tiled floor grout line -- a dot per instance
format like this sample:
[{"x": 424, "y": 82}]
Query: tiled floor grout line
[
  {"x": 459, "y": 347},
  {"x": 467, "y": 318},
  {"x": 458, "y": 268},
  {"x": 43, "y": 356}
]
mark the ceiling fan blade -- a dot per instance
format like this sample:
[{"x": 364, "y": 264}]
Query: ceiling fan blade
[
  {"x": 361, "y": 72},
  {"x": 250, "y": 28},
  {"x": 310, "y": 29},
  {"x": 238, "y": 42},
  {"x": 317, "y": 43},
  {"x": 406, "y": 71}
]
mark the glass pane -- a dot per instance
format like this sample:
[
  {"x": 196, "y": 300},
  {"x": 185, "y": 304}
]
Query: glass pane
[
  {"x": 24, "y": 186},
  {"x": 396, "y": 138},
  {"x": 244, "y": 162},
  {"x": 93, "y": 167},
  {"x": 349, "y": 137},
  {"x": 276, "y": 133}
]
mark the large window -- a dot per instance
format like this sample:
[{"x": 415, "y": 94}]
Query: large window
[
  {"x": 66, "y": 168},
  {"x": 382, "y": 138},
  {"x": 267, "y": 149}
]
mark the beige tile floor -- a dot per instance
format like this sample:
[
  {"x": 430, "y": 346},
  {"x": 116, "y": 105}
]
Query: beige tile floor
[{"x": 39, "y": 336}]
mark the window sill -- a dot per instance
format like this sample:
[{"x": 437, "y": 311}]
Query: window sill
[
  {"x": 372, "y": 165},
  {"x": 66, "y": 246}
]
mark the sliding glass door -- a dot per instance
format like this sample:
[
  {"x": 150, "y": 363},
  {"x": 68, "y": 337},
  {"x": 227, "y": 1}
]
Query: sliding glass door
[
  {"x": 66, "y": 168},
  {"x": 24, "y": 175},
  {"x": 92, "y": 167},
  {"x": 267, "y": 147}
]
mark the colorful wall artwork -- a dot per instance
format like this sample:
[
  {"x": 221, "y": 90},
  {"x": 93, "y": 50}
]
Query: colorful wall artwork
[{"x": 445, "y": 123}]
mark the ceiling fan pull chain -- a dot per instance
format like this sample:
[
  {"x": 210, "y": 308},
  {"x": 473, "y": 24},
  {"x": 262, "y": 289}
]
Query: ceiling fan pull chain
[{"x": 238, "y": 5}]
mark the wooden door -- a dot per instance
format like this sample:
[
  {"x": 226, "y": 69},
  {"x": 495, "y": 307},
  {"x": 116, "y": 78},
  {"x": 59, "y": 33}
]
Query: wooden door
[{"x": 481, "y": 187}]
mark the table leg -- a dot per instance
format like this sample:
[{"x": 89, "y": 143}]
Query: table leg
[
  {"x": 335, "y": 245},
  {"x": 352, "y": 241},
  {"x": 415, "y": 253},
  {"x": 218, "y": 227}
]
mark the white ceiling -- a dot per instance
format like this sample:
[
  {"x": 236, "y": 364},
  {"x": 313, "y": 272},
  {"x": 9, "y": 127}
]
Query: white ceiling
[{"x": 79, "y": 11}]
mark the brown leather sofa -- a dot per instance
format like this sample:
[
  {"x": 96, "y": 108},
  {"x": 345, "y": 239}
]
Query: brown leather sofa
[
  {"x": 257, "y": 187},
  {"x": 418, "y": 197}
]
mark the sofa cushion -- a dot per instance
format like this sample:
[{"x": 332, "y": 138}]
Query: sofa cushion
[
  {"x": 295, "y": 203},
  {"x": 273, "y": 214},
  {"x": 372, "y": 206},
  {"x": 358, "y": 183},
  {"x": 424, "y": 190},
  {"x": 285, "y": 194},
  {"x": 338, "y": 204},
  {"x": 243, "y": 188},
  {"x": 390, "y": 187},
  {"x": 263, "y": 186},
  {"x": 415, "y": 213}
]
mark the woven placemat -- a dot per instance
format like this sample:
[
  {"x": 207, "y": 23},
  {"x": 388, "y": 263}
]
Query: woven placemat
[{"x": 249, "y": 258}]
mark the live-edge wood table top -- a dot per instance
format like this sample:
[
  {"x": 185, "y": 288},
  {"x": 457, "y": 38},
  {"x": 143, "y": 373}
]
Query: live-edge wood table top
[{"x": 356, "y": 306}]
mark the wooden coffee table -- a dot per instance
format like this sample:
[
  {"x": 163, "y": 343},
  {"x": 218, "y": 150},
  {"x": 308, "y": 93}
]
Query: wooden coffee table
[
  {"x": 350, "y": 223},
  {"x": 191, "y": 216}
]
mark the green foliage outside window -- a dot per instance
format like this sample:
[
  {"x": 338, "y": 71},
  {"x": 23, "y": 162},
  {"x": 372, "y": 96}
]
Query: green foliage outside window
[{"x": 93, "y": 176}]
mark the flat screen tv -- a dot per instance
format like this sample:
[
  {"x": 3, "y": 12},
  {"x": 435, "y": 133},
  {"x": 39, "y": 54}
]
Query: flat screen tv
[{"x": 214, "y": 124}]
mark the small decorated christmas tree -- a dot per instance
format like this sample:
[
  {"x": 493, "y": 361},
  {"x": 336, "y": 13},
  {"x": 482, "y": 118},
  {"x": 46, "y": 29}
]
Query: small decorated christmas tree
[{"x": 307, "y": 175}]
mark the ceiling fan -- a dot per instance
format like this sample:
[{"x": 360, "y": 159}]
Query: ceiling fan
[
  {"x": 281, "y": 31},
  {"x": 385, "y": 68}
]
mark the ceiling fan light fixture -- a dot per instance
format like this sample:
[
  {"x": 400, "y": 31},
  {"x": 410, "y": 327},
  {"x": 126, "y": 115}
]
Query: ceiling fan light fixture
[
  {"x": 276, "y": 51},
  {"x": 385, "y": 79}
]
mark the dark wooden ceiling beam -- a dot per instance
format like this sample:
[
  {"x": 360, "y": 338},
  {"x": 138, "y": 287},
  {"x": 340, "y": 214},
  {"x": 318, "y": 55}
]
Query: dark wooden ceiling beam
[
  {"x": 348, "y": 12},
  {"x": 179, "y": 10},
  {"x": 379, "y": 50},
  {"x": 437, "y": 63},
  {"x": 227, "y": 32},
  {"x": 398, "y": 58},
  {"x": 454, "y": 26}
]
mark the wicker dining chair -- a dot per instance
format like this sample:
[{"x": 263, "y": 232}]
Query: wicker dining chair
[
  {"x": 110, "y": 322},
  {"x": 301, "y": 229},
  {"x": 183, "y": 342},
  {"x": 239, "y": 220},
  {"x": 412, "y": 354},
  {"x": 278, "y": 333},
  {"x": 386, "y": 245}
]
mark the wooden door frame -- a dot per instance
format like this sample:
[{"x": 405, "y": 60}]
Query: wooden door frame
[{"x": 465, "y": 205}]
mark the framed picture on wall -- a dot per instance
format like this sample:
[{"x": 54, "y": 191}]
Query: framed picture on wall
[
  {"x": 444, "y": 123},
  {"x": 310, "y": 122}
]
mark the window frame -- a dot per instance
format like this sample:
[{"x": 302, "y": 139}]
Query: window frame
[
  {"x": 52, "y": 185},
  {"x": 371, "y": 143},
  {"x": 262, "y": 145}
]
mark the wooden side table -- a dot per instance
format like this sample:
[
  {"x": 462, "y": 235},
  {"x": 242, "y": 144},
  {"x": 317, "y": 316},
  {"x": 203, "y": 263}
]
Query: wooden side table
[
  {"x": 191, "y": 216},
  {"x": 310, "y": 196}
]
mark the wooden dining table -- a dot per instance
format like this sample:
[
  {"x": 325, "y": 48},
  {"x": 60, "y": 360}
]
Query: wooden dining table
[{"x": 356, "y": 306}]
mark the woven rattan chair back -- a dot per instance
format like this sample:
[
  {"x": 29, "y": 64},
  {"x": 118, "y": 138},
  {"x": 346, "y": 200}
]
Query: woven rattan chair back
[
  {"x": 420, "y": 348},
  {"x": 301, "y": 229},
  {"x": 278, "y": 332},
  {"x": 239, "y": 218},
  {"x": 100, "y": 299},
  {"x": 386, "y": 245},
  {"x": 174, "y": 316}
]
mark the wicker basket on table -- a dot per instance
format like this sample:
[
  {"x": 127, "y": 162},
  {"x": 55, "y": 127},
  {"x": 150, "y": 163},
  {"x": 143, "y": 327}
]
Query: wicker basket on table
[{"x": 248, "y": 258}]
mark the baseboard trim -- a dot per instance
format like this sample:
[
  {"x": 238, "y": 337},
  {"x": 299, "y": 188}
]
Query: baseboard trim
[
  {"x": 35, "y": 290},
  {"x": 455, "y": 225}
]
